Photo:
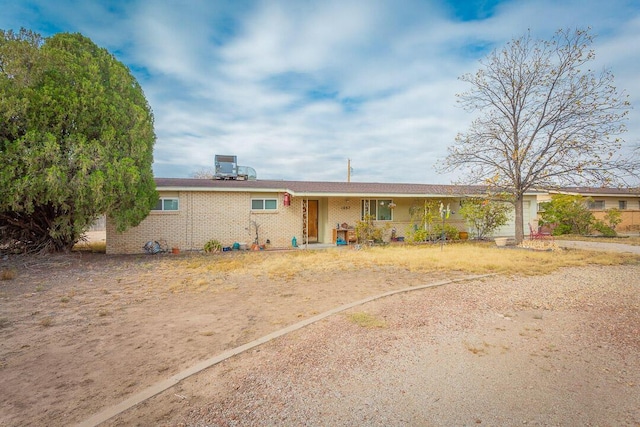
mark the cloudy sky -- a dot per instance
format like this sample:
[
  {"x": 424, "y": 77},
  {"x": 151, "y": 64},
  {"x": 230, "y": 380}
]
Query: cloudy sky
[{"x": 294, "y": 88}]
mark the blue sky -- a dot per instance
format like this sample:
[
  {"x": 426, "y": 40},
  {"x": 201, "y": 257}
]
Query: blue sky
[{"x": 295, "y": 88}]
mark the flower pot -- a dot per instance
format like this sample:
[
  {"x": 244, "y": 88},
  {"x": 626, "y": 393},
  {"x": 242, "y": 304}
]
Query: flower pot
[
  {"x": 175, "y": 250},
  {"x": 501, "y": 241}
]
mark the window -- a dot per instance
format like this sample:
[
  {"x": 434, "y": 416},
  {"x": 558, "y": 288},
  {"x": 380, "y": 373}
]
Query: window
[
  {"x": 264, "y": 204},
  {"x": 622, "y": 204},
  {"x": 166, "y": 204},
  {"x": 597, "y": 205},
  {"x": 380, "y": 210}
]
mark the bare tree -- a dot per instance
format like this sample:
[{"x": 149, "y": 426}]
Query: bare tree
[
  {"x": 204, "y": 173},
  {"x": 546, "y": 120}
]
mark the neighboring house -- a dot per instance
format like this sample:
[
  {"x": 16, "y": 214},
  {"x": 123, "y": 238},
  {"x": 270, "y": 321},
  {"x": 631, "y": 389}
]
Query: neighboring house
[
  {"x": 627, "y": 200},
  {"x": 191, "y": 212}
]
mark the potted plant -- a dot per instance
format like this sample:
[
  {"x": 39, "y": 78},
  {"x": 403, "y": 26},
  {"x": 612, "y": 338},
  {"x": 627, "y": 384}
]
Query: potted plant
[{"x": 212, "y": 245}]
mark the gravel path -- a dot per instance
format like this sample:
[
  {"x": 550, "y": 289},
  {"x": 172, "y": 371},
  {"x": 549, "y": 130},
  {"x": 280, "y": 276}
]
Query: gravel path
[
  {"x": 599, "y": 246},
  {"x": 561, "y": 349}
]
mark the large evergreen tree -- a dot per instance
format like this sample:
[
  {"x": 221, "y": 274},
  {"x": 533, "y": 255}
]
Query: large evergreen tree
[{"x": 76, "y": 141}]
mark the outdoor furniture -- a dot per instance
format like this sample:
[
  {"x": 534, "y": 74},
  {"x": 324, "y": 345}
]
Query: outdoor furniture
[{"x": 539, "y": 233}]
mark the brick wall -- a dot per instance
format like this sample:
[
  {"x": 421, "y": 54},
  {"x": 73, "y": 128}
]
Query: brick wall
[
  {"x": 630, "y": 220},
  {"x": 202, "y": 216}
]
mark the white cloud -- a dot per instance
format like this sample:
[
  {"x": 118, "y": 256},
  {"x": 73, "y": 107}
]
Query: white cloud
[{"x": 295, "y": 88}]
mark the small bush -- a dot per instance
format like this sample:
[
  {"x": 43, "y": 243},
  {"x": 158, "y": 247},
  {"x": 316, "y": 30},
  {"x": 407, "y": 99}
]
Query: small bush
[
  {"x": 367, "y": 230},
  {"x": 418, "y": 235},
  {"x": 450, "y": 232},
  {"x": 604, "y": 229},
  {"x": 612, "y": 218},
  {"x": 212, "y": 246},
  {"x": 485, "y": 215}
]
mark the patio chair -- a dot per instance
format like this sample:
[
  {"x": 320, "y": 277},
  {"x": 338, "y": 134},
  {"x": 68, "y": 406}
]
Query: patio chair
[{"x": 539, "y": 233}]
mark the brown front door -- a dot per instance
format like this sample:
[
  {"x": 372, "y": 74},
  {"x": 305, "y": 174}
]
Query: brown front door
[{"x": 312, "y": 219}]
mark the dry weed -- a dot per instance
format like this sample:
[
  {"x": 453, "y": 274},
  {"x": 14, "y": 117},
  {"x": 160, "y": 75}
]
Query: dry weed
[
  {"x": 366, "y": 320},
  {"x": 477, "y": 350},
  {"x": 8, "y": 274},
  {"x": 47, "y": 322}
]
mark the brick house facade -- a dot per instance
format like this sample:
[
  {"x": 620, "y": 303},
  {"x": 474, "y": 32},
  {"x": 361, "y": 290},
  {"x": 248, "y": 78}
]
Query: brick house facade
[{"x": 193, "y": 211}]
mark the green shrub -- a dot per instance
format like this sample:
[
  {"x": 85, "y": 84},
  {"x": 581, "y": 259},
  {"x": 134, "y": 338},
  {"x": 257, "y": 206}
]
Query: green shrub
[
  {"x": 416, "y": 235},
  {"x": 604, "y": 229},
  {"x": 424, "y": 214},
  {"x": 570, "y": 214},
  {"x": 485, "y": 215},
  {"x": 212, "y": 246},
  {"x": 613, "y": 217},
  {"x": 368, "y": 230},
  {"x": 450, "y": 232}
]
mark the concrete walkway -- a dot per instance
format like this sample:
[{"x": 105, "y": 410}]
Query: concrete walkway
[{"x": 599, "y": 246}]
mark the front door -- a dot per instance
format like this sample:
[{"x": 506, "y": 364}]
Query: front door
[{"x": 312, "y": 221}]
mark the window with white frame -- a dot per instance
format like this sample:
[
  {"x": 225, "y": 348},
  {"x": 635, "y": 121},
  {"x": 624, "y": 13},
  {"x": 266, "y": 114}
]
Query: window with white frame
[
  {"x": 379, "y": 209},
  {"x": 622, "y": 204},
  {"x": 597, "y": 205},
  {"x": 167, "y": 204},
  {"x": 264, "y": 204}
]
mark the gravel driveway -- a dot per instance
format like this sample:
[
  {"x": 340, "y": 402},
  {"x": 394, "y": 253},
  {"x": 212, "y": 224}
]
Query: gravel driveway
[
  {"x": 599, "y": 246},
  {"x": 561, "y": 349}
]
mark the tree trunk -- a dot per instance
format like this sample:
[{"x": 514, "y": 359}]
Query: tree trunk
[{"x": 519, "y": 218}]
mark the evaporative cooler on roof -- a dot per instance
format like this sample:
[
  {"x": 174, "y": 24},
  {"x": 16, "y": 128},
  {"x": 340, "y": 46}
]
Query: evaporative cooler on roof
[{"x": 227, "y": 168}]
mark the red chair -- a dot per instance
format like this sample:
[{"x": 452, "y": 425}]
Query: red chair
[{"x": 540, "y": 233}]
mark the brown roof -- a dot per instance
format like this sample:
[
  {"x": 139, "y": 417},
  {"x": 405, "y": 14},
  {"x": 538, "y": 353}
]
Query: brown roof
[
  {"x": 303, "y": 188},
  {"x": 328, "y": 188}
]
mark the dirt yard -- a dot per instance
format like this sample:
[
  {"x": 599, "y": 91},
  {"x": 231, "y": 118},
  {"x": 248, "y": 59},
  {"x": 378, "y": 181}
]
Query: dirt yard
[{"x": 83, "y": 332}]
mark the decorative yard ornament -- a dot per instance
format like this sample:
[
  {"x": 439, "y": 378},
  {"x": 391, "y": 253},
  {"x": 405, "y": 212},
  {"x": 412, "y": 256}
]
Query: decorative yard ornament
[{"x": 444, "y": 214}]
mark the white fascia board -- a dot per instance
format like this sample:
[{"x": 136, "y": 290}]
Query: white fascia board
[
  {"x": 224, "y": 189},
  {"x": 315, "y": 194},
  {"x": 376, "y": 195}
]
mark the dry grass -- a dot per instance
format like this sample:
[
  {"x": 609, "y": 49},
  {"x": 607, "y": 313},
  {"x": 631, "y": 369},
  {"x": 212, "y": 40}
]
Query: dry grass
[
  {"x": 478, "y": 259},
  {"x": 8, "y": 274},
  {"x": 469, "y": 258},
  {"x": 366, "y": 320}
]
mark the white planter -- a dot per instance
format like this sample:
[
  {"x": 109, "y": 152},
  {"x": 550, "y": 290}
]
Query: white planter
[{"x": 501, "y": 241}]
